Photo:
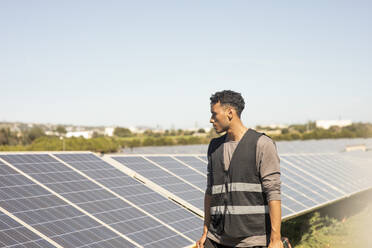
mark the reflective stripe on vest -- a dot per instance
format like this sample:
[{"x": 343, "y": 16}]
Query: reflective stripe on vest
[
  {"x": 241, "y": 209},
  {"x": 250, "y": 187}
]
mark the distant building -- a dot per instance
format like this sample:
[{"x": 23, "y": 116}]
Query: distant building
[
  {"x": 51, "y": 133},
  {"x": 329, "y": 123},
  {"x": 277, "y": 126},
  {"x": 84, "y": 134},
  {"x": 141, "y": 129},
  {"x": 109, "y": 131}
]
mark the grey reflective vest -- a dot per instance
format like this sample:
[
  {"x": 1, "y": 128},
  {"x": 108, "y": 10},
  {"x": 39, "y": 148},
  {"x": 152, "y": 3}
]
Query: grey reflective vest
[{"x": 239, "y": 207}]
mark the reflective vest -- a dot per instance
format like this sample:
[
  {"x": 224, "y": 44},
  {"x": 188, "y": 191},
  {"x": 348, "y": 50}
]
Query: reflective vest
[{"x": 239, "y": 207}]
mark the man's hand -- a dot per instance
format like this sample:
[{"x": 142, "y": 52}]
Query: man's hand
[
  {"x": 201, "y": 241},
  {"x": 277, "y": 243}
]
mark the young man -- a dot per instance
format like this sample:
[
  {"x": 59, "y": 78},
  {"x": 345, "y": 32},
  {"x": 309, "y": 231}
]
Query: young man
[{"x": 242, "y": 204}]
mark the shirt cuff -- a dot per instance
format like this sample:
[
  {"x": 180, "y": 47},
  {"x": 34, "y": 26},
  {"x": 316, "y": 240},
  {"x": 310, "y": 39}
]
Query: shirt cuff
[{"x": 273, "y": 196}]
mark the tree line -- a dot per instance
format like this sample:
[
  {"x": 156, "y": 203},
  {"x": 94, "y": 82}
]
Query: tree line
[{"x": 35, "y": 138}]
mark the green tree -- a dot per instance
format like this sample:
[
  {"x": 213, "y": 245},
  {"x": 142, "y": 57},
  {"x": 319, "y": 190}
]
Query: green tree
[
  {"x": 34, "y": 133},
  {"x": 122, "y": 132},
  {"x": 7, "y": 137},
  {"x": 285, "y": 131},
  {"x": 149, "y": 141},
  {"x": 134, "y": 143},
  {"x": 61, "y": 130},
  {"x": 201, "y": 130},
  {"x": 96, "y": 135}
]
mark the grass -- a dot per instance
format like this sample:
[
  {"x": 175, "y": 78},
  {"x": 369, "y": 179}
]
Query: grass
[{"x": 346, "y": 224}]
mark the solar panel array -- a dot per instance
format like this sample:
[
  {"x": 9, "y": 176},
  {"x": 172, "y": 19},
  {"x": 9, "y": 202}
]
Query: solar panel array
[
  {"x": 165, "y": 177},
  {"x": 309, "y": 181},
  {"x": 14, "y": 234},
  {"x": 82, "y": 200},
  {"x": 138, "y": 194},
  {"x": 293, "y": 146},
  {"x": 321, "y": 146},
  {"x": 48, "y": 213},
  {"x": 74, "y": 200}
]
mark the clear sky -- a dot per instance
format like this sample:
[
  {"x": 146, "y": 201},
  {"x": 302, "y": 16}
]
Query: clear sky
[{"x": 154, "y": 63}]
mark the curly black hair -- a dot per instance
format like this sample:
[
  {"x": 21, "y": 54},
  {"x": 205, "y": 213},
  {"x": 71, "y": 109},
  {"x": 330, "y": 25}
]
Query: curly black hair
[{"x": 231, "y": 98}]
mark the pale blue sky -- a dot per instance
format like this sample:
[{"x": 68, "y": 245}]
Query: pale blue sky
[{"x": 157, "y": 62}]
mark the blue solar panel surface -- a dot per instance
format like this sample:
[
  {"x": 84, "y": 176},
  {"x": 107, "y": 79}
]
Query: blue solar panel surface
[
  {"x": 308, "y": 180},
  {"x": 195, "y": 162},
  {"x": 186, "y": 172},
  {"x": 159, "y": 206},
  {"x": 113, "y": 211},
  {"x": 175, "y": 185},
  {"x": 47, "y": 213},
  {"x": 13, "y": 234}
]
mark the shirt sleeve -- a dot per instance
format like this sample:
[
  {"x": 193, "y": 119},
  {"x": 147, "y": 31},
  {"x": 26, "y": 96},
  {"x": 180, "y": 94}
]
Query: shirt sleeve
[{"x": 268, "y": 163}]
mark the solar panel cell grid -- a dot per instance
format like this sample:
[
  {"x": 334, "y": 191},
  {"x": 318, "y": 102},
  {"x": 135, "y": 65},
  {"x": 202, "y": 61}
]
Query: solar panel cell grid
[
  {"x": 181, "y": 170},
  {"x": 320, "y": 173},
  {"x": 164, "y": 179},
  {"x": 13, "y": 234},
  {"x": 100, "y": 203},
  {"x": 46, "y": 212},
  {"x": 195, "y": 163},
  {"x": 136, "y": 211},
  {"x": 134, "y": 191}
]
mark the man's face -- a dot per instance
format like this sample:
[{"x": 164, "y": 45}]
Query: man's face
[{"x": 220, "y": 117}]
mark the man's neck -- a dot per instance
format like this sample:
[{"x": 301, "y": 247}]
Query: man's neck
[{"x": 236, "y": 132}]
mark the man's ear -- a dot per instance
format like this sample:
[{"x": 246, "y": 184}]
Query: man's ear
[{"x": 230, "y": 113}]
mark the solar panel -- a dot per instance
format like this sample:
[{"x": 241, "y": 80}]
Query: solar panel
[
  {"x": 49, "y": 214},
  {"x": 324, "y": 171},
  {"x": 142, "y": 196},
  {"x": 170, "y": 182},
  {"x": 319, "y": 146},
  {"x": 352, "y": 170},
  {"x": 319, "y": 189},
  {"x": 309, "y": 180},
  {"x": 116, "y": 213},
  {"x": 205, "y": 158},
  {"x": 284, "y": 147},
  {"x": 13, "y": 234},
  {"x": 360, "y": 160},
  {"x": 181, "y": 169},
  {"x": 324, "y": 178},
  {"x": 300, "y": 192},
  {"x": 195, "y": 162},
  {"x": 96, "y": 202},
  {"x": 291, "y": 204}
]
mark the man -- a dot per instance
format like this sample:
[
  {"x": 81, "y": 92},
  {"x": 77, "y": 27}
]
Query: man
[{"x": 242, "y": 204}]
